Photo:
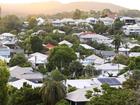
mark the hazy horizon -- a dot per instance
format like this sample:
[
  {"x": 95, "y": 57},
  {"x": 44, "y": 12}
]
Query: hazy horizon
[{"x": 132, "y": 4}]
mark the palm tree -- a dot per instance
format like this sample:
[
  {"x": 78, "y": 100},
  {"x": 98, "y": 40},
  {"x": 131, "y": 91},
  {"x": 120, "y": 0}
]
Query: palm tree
[
  {"x": 117, "y": 42},
  {"x": 52, "y": 91}
]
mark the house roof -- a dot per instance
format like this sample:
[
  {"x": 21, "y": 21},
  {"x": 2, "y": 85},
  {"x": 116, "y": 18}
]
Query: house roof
[
  {"x": 81, "y": 83},
  {"x": 38, "y": 58},
  {"x": 49, "y": 46},
  {"x": 110, "y": 66},
  {"x": 19, "y": 83},
  {"x": 93, "y": 59},
  {"x": 87, "y": 46},
  {"x": 94, "y": 36},
  {"x": 25, "y": 73},
  {"x": 65, "y": 42},
  {"x": 78, "y": 95},
  {"x": 134, "y": 54},
  {"x": 59, "y": 31},
  {"x": 105, "y": 53},
  {"x": 8, "y": 35}
]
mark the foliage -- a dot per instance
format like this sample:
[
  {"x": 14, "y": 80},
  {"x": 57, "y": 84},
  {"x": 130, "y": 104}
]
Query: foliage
[
  {"x": 121, "y": 59},
  {"x": 10, "y": 23},
  {"x": 42, "y": 69},
  {"x": 100, "y": 28},
  {"x": 118, "y": 24},
  {"x": 19, "y": 60},
  {"x": 76, "y": 69},
  {"x": 36, "y": 44},
  {"x": 62, "y": 102},
  {"x": 61, "y": 57},
  {"x": 135, "y": 49},
  {"x": 73, "y": 39},
  {"x": 99, "y": 46},
  {"x": 25, "y": 96},
  {"x": 134, "y": 81},
  {"x": 52, "y": 92},
  {"x": 113, "y": 96},
  {"x": 57, "y": 75},
  {"x": 4, "y": 76},
  {"x": 77, "y": 14},
  {"x": 90, "y": 71},
  {"x": 117, "y": 41},
  {"x": 32, "y": 22},
  {"x": 71, "y": 88},
  {"x": 88, "y": 94}
]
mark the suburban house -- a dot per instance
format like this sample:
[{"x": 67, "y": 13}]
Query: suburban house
[
  {"x": 4, "y": 51},
  {"x": 56, "y": 31},
  {"x": 108, "y": 55},
  {"x": 85, "y": 37},
  {"x": 91, "y": 20},
  {"x": 110, "y": 69},
  {"x": 93, "y": 59},
  {"x": 48, "y": 46},
  {"x": 8, "y": 39},
  {"x": 134, "y": 54},
  {"x": 128, "y": 20},
  {"x": 69, "y": 21},
  {"x": 57, "y": 23},
  {"x": 40, "y": 21},
  {"x": 64, "y": 42},
  {"x": 37, "y": 58},
  {"x": 131, "y": 29},
  {"x": 27, "y": 73},
  {"x": 19, "y": 83},
  {"x": 78, "y": 97},
  {"x": 87, "y": 47},
  {"x": 107, "y": 21}
]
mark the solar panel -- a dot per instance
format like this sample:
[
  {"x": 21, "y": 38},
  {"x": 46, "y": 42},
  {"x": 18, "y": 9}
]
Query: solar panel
[{"x": 110, "y": 81}]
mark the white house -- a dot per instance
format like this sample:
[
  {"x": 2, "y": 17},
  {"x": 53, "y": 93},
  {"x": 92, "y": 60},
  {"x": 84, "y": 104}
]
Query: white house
[
  {"x": 64, "y": 42},
  {"x": 78, "y": 97},
  {"x": 25, "y": 73},
  {"x": 87, "y": 47},
  {"x": 91, "y": 20},
  {"x": 57, "y": 23},
  {"x": 19, "y": 83},
  {"x": 69, "y": 21},
  {"x": 107, "y": 21},
  {"x": 8, "y": 39},
  {"x": 128, "y": 20},
  {"x": 110, "y": 68},
  {"x": 134, "y": 54},
  {"x": 58, "y": 31},
  {"x": 93, "y": 59},
  {"x": 85, "y": 37},
  {"x": 131, "y": 29},
  {"x": 4, "y": 51},
  {"x": 37, "y": 58},
  {"x": 40, "y": 21}
]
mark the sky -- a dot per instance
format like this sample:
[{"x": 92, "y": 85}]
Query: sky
[{"x": 132, "y": 4}]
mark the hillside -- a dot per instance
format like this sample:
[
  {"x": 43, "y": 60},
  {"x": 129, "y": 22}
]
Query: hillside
[{"x": 55, "y": 7}]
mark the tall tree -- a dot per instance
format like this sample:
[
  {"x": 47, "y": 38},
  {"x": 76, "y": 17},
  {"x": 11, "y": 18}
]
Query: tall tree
[
  {"x": 52, "y": 90},
  {"x": 4, "y": 76},
  {"x": 77, "y": 14},
  {"x": 36, "y": 44},
  {"x": 61, "y": 57},
  {"x": 117, "y": 41}
]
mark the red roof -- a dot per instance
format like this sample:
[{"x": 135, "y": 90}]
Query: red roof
[{"x": 49, "y": 46}]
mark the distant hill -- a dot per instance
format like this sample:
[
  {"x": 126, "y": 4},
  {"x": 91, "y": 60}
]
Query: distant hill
[{"x": 55, "y": 7}]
